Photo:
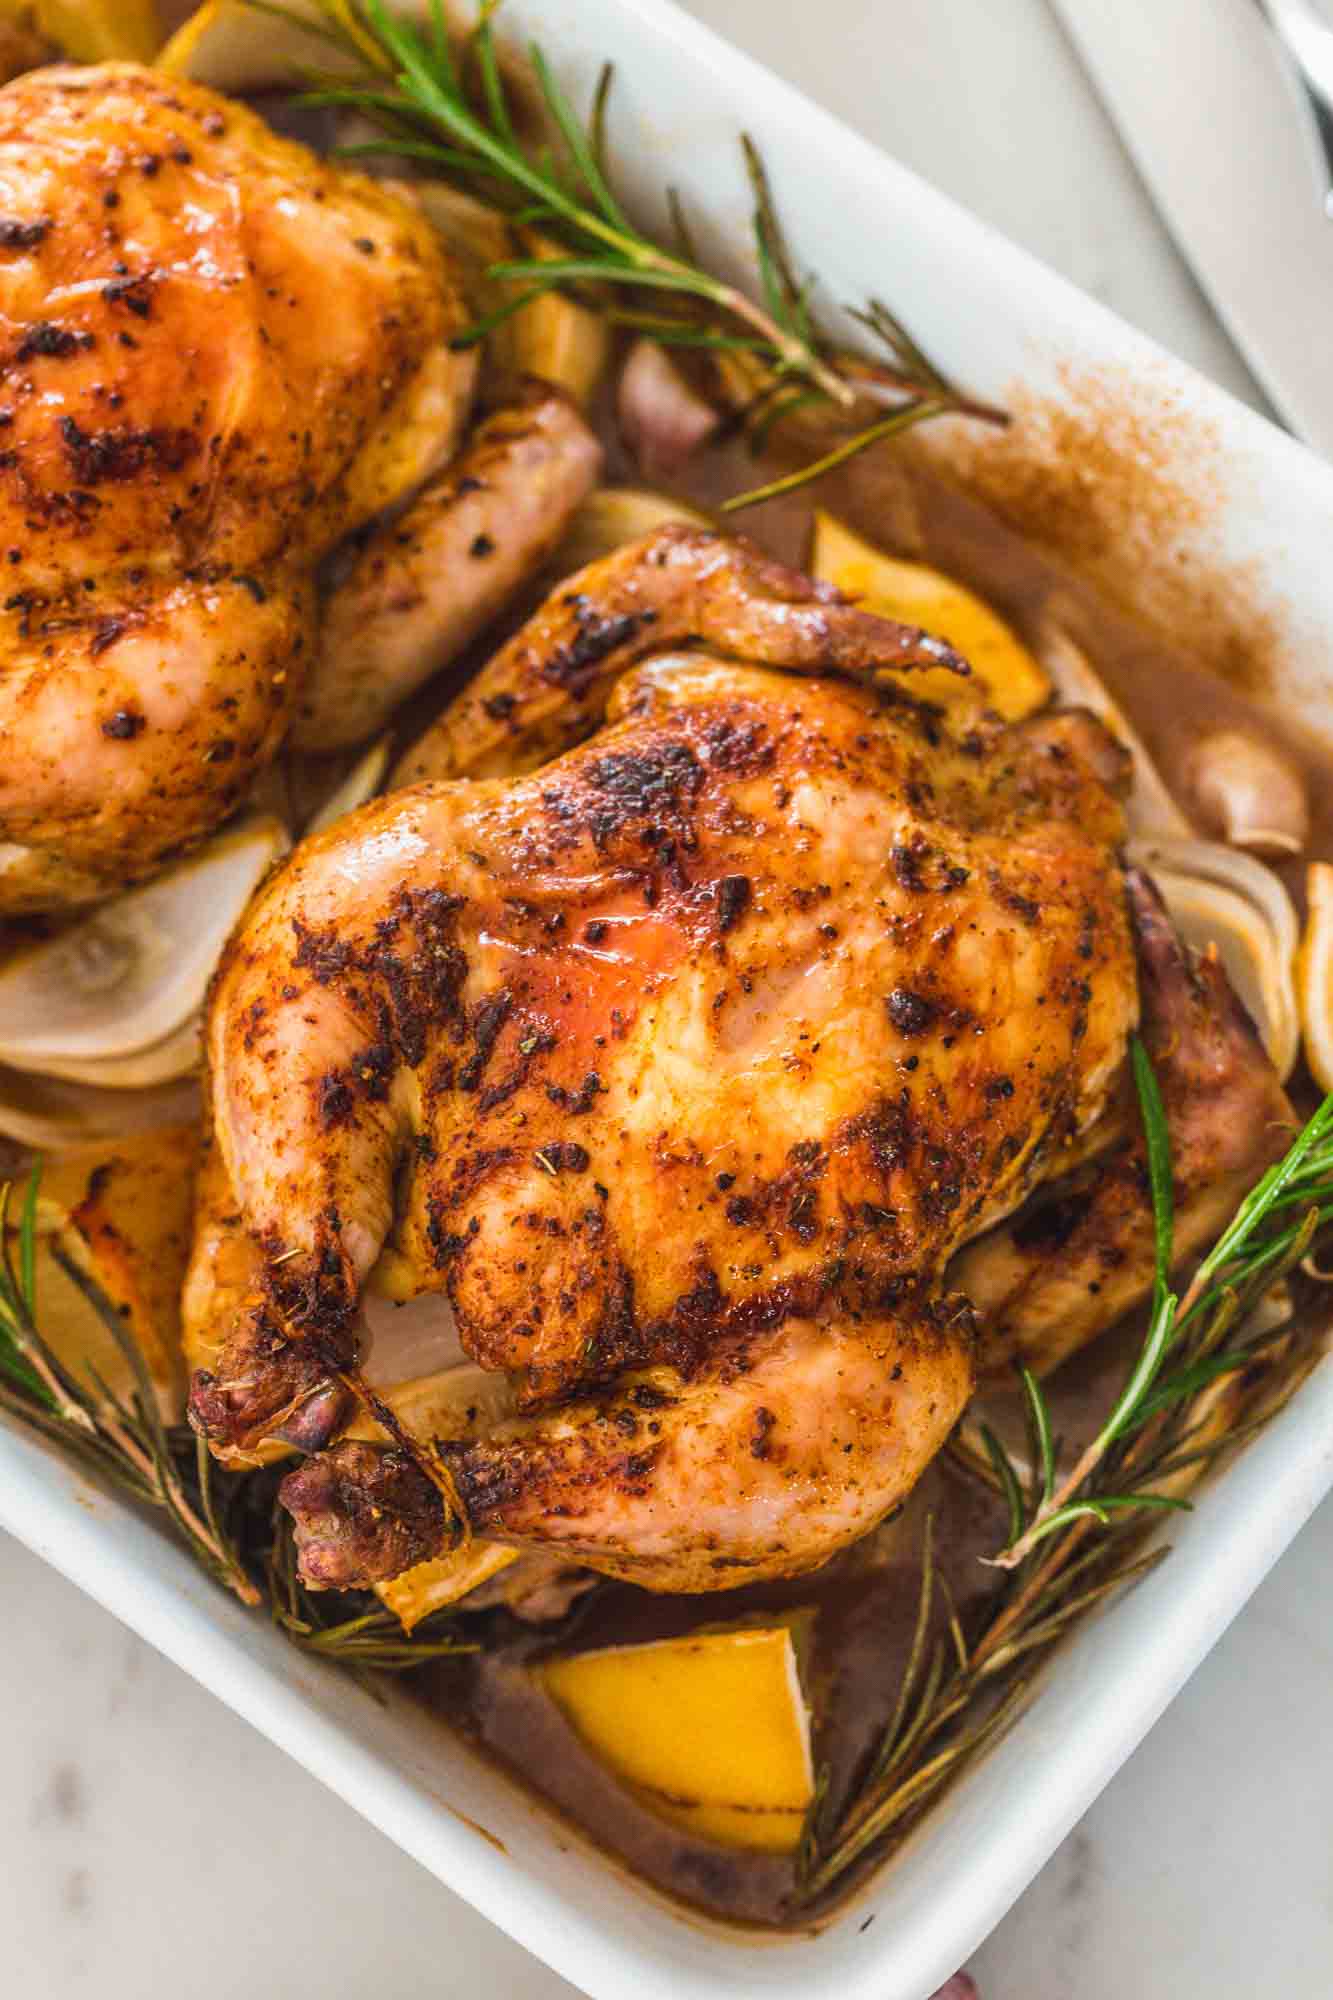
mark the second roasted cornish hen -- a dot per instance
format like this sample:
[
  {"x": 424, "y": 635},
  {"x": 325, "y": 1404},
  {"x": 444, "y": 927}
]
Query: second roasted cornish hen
[{"x": 682, "y": 1065}]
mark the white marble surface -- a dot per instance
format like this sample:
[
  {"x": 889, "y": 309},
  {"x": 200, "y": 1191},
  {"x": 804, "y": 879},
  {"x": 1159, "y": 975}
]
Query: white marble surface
[{"x": 1202, "y": 1873}]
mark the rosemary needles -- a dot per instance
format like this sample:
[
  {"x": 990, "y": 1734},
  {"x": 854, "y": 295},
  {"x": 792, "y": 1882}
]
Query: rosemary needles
[
  {"x": 1204, "y": 1377},
  {"x": 449, "y": 107},
  {"x": 1203, "y": 1335},
  {"x": 229, "y": 1522},
  {"x": 123, "y": 1439}
]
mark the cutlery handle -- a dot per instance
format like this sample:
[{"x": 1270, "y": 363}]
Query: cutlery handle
[{"x": 1307, "y": 37}]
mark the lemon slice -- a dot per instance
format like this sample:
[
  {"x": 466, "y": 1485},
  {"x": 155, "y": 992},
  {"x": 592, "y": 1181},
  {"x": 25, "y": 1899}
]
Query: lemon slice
[
  {"x": 456, "y": 1402},
  {"x": 614, "y": 515},
  {"x": 133, "y": 971},
  {"x": 453, "y": 1403},
  {"x": 1003, "y": 670},
  {"x": 710, "y": 1731},
  {"x": 1314, "y": 974},
  {"x": 94, "y": 31},
  {"x": 122, "y": 1215}
]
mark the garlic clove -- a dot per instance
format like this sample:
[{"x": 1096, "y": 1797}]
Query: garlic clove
[
  {"x": 662, "y": 419},
  {"x": 134, "y": 971},
  {"x": 1249, "y": 793}
]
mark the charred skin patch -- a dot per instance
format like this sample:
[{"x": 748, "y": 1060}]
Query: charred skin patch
[
  {"x": 121, "y": 453},
  {"x": 575, "y": 665},
  {"x": 362, "y": 1513},
  {"x": 261, "y": 1380}
]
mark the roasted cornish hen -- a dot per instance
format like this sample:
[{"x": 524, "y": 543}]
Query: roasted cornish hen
[
  {"x": 222, "y": 354},
  {"x": 683, "y": 1065}
]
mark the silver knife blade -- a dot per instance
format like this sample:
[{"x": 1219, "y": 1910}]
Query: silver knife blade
[{"x": 1198, "y": 92}]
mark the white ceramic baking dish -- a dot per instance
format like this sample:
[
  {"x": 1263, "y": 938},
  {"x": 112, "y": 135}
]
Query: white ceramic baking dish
[{"x": 996, "y": 319}]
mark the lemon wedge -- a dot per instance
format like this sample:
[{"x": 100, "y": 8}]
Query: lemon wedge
[
  {"x": 442, "y": 1581},
  {"x": 94, "y": 30},
  {"x": 1004, "y": 672},
  {"x": 120, "y": 1214},
  {"x": 1314, "y": 974},
  {"x": 552, "y": 336},
  {"x": 710, "y": 1731}
]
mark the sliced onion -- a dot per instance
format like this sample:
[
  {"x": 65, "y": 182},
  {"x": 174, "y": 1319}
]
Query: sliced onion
[
  {"x": 1216, "y": 863},
  {"x": 1220, "y": 897},
  {"x": 134, "y": 971},
  {"x": 51, "y": 1115},
  {"x": 1249, "y": 792},
  {"x": 176, "y": 1055}
]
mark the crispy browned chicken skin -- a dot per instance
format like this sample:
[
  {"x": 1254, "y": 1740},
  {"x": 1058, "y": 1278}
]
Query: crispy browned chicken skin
[
  {"x": 682, "y": 1065},
  {"x": 221, "y": 354}
]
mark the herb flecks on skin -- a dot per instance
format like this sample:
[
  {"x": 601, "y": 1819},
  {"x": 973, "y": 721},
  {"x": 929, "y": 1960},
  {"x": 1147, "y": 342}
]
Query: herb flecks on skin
[{"x": 449, "y": 108}]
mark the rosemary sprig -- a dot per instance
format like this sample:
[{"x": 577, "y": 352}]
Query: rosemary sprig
[
  {"x": 1075, "y": 1541},
  {"x": 1202, "y": 1332},
  {"x": 228, "y": 1521},
  {"x": 451, "y": 110},
  {"x": 121, "y": 1438}
]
